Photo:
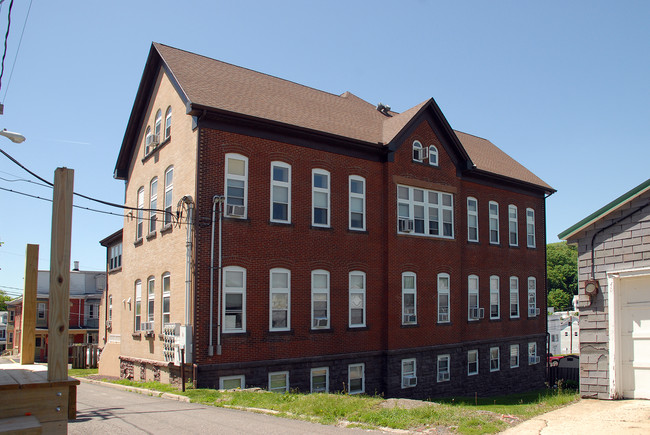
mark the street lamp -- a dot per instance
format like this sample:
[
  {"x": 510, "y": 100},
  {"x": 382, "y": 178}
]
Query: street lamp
[{"x": 14, "y": 137}]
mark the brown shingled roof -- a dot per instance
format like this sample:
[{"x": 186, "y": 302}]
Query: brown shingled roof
[{"x": 218, "y": 86}]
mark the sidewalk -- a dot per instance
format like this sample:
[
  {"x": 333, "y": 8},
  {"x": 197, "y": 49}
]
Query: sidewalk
[{"x": 590, "y": 417}]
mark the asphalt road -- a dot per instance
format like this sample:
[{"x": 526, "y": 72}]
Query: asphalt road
[{"x": 106, "y": 410}]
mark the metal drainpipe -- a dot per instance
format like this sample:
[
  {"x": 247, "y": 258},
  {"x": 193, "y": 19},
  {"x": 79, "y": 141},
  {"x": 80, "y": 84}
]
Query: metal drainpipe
[
  {"x": 188, "y": 258},
  {"x": 217, "y": 199}
]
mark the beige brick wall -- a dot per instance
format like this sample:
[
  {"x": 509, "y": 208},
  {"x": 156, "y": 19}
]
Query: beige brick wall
[{"x": 162, "y": 251}]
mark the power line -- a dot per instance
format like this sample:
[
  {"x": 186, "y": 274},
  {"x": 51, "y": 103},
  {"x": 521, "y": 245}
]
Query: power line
[
  {"x": 2, "y": 69},
  {"x": 13, "y": 66}
]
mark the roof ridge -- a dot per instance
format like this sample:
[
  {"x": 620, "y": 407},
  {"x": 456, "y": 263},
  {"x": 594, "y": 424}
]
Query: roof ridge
[{"x": 257, "y": 72}]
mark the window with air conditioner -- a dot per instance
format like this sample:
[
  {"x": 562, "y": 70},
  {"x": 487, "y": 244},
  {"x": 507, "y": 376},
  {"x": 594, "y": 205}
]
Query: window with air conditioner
[
  {"x": 472, "y": 298},
  {"x": 236, "y": 182},
  {"x": 320, "y": 299},
  {"x": 431, "y": 212},
  {"x": 409, "y": 298},
  {"x": 409, "y": 378},
  {"x": 533, "y": 311}
]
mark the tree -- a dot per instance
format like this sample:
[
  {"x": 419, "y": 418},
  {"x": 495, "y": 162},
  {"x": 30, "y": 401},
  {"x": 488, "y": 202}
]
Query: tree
[
  {"x": 559, "y": 299},
  {"x": 4, "y": 298},
  {"x": 562, "y": 267}
]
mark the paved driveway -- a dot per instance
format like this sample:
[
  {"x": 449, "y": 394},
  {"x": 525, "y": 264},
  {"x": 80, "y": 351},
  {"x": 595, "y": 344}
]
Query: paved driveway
[{"x": 591, "y": 417}]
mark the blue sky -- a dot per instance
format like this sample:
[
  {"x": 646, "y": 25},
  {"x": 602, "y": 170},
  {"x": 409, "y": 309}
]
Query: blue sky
[{"x": 563, "y": 87}]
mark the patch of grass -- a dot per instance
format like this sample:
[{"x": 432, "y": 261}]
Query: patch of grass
[
  {"x": 80, "y": 373},
  {"x": 462, "y": 415}
]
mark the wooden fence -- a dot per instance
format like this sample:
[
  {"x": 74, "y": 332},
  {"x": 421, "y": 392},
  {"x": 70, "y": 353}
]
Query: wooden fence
[{"x": 84, "y": 356}]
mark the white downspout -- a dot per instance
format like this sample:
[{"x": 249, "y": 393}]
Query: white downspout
[{"x": 188, "y": 277}]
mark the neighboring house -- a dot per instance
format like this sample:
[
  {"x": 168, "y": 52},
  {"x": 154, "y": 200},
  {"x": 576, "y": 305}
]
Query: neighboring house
[
  {"x": 564, "y": 333},
  {"x": 614, "y": 291},
  {"x": 4, "y": 319},
  {"x": 361, "y": 249},
  {"x": 86, "y": 289},
  {"x": 10, "y": 328}
]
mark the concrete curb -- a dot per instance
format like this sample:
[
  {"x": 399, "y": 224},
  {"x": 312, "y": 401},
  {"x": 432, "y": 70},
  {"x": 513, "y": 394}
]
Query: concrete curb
[{"x": 144, "y": 391}]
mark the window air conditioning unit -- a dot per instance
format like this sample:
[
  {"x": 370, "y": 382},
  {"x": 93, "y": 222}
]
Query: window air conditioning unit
[
  {"x": 320, "y": 322},
  {"x": 476, "y": 313},
  {"x": 235, "y": 210},
  {"x": 410, "y": 318},
  {"x": 533, "y": 359},
  {"x": 406, "y": 225},
  {"x": 152, "y": 140},
  {"x": 410, "y": 381},
  {"x": 443, "y": 376},
  {"x": 443, "y": 317},
  {"x": 146, "y": 326},
  {"x": 109, "y": 324},
  {"x": 532, "y": 312}
]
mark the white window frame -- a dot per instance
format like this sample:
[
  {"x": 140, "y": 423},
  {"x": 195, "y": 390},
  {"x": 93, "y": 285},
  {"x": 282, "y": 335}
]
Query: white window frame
[
  {"x": 530, "y": 228},
  {"x": 229, "y": 179},
  {"x": 473, "y": 291},
  {"x": 115, "y": 260},
  {"x": 151, "y": 298},
  {"x": 495, "y": 297},
  {"x": 153, "y": 204},
  {"x": 280, "y": 184},
  {"x": 472, "y": 219},
  {"x": 409, "y": 370},
  {"x": 158, "y": 124},
  {"x": 281, "y": 389},
  {"x": 168, "y": 122},
  {"x": 532, "y": 353},
  {"x": 147, "y": 147},
  {"x": 356, "y": 197},
  {"x": 137, "y": 304},
  {"x": 513, "y": 226},
  {"x": 166, "y": 296},
  {"x": 361, "y": 366},
  {"x": 224, "y": 379},
  {"x": 443, "y": 374},
  {"x": 433, "y": 155},
  {"x": 514, "y": 297},
  {"x": 495, "y": 359},
  {"x": 356, "y": 290},
  {"x": 408, "y": 317},
  {"x": 493, "y": 209},
  {"x": 316, "y": 191},
  {"x": 514, "y": 356},
  {"x": 430, "y": 212},
  {"x": 273, "y": 290},
  {"x": 472, "y": 355},
  {"x": 532, "y": 296},
  {"x": 317, "y": 371},
  {"x": 139, "y": 225},
  {"x": 169, "y": 196},
  {"x": 234, "y": 290},
  {"x": 320, "y": 291},
  {"x": 444, "y": 314},
  {"x": 417, "y": 146}
]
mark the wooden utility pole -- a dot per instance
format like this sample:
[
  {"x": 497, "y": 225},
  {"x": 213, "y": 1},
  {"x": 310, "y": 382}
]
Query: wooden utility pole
[
  {"x": 57, "y": 351},
  {"x": 28, "y": 326}
]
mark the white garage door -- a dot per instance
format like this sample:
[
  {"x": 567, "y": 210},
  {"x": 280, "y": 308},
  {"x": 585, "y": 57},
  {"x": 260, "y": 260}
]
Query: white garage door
[{"x": 635, "y": 336}]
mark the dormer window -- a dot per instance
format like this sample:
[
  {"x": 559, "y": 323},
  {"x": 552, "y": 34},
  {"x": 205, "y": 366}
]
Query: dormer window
[{"x": 433, "y": 155}]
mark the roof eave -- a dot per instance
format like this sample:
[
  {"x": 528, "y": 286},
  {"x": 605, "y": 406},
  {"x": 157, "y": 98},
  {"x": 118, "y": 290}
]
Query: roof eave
[{"x": 542, "y": 188}]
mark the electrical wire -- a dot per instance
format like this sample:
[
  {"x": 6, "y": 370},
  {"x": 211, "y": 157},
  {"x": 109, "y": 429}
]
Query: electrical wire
[
  {"x": 20, "y": 41},
  {"x": 2, "y": 69}
]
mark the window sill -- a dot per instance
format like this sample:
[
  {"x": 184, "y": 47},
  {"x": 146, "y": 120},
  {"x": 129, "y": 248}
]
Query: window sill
[
  {"x": 281, "y": 224},
  {"x": 356, "y": 231},
  {"x": 444, "y": 323},
  {"x": 358, "y": 328},
  {"x": 496, "y": 319},
  {"x": 151, "y": 235},
  {"x": 410, "y": 325},
  {"x": 117, "y": 269},
  {"x": 166, "y": 229},
  {"x": 322, "y": 330},
  {"x": 281, "y": 331},
  {"x": 316, "y": 227},
  {"x": 137, "y": 335},
  {"x": 235, "y": 333},
  {"x": 138, "y": 242}
]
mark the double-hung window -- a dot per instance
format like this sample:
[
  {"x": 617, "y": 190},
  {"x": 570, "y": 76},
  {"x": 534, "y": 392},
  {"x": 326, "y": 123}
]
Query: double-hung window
[
  {"x": 472, "y": 298},
  {"x": 280, "y": 192},
  {"x": 472, "y": 362},
  {"x": 357, "y": 298},
  {"x": 280, "y": 300},
  {"x": 514, "y": 356},
  {"x": 320, "y": 299},
  {"x": 115, "y": 260},
  {"x": 356, "y": 378},
  {"x": 514, "y": 297},
  {"x": 168, "y": 122},
  {"x": 357, "y": 203},
  {"x": 513, "y": 224},
  {"x": 409, "y": 298},
  {"x": 530, "y": 227},
  {"x": 409, "y": 373},
  {"x": 320, "y": 380},
  {"x": 443, "y": 368},
  {"x": 532, "y": 297},
  {"x": 41, "y": 310},
  {"x": 151, "y": 298},
  {"x": 153, "y": 204},
  {"x": 279, "y": 382},
  {"x": 166, "y": 298},
  {"x": 495, "y": 365},
  {"x": 169, "y": 194},
  {"x": 494, "y": 222},
  {"x": 234, "y": 299},
  {"x": 532, "y": 353},
  {"x": 472, "y": 220},
  {"x": 495, "y": 310},
  {"x": 320, "y": 200},
  {"x": 236, "y": 185},
  {"x": 138, "y": 306},
  {"x": 139, "y": 225},
  {"x": 158, "y": 124},
  {"x": 425, "y": 212},
  {"x": 443, "y": 298}
]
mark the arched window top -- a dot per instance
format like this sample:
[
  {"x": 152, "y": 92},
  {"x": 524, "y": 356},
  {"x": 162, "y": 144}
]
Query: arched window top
[
  {"x": 168, "y": 122},
  {"x": 433, "y": 155},
  {"x": 417, "y": 151}
]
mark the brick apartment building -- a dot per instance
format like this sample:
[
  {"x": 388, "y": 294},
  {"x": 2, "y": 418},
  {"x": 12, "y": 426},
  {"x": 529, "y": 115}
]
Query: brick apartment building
[{"x": 361, "y": 249}]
